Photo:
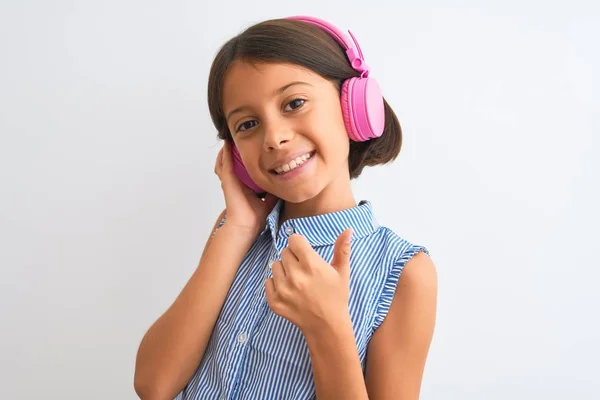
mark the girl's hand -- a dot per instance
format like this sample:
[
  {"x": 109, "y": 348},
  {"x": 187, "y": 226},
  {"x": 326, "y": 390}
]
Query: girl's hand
[
  {"x": 244, "y": 209},
  {"x": 308, "y": 291}
]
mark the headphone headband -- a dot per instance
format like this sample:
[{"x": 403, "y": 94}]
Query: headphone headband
[{"x": 353, "y": 51}]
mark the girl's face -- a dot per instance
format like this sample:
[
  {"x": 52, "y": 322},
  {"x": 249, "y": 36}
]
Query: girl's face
[{"x": 287, "y": 124}]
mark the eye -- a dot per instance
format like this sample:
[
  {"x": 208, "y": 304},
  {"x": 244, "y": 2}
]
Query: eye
[
  {"x": 246, "y": 125},
  {"x": 295, "y": 104}
]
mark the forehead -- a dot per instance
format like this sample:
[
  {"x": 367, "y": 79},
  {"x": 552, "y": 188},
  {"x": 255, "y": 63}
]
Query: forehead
[{"x": 245, "y": 81}]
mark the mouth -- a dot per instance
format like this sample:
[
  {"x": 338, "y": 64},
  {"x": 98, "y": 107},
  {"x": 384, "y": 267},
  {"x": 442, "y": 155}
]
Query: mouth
[{"x": 293, "y": 164}]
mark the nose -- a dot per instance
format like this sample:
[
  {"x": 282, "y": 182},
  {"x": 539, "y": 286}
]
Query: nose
[{"x": 277, "y": 136}]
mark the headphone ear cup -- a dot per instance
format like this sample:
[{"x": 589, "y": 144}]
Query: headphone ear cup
[
  {"x": 346, "y": 104},
  {"x": 240, "y": 170},
  {"x": 363, "y": 109}
]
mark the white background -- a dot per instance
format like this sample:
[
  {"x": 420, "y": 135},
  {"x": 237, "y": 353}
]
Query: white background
[{"x": 107, "y": 191}]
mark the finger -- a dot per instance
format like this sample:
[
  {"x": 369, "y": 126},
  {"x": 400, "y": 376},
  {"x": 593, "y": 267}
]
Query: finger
[
  {"x": 271, "y": 293},
  {"x": 341, "y": 252},
  {"x": 227, "y": 162},
  {"x": 278, "y": 272},
  {"x": 218, "y": 162},
  {"x": 301, "y": 249},
  {"x": 291, "y": 264},
  {"x": 280, "y": 281},
  {"x": 288, "y": 258}
]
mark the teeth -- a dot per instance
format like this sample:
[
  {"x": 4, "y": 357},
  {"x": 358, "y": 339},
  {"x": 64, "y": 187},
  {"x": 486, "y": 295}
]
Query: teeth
[{"x": 292, "y": 164}]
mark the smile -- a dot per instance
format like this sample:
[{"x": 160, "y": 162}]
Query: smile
[{"x": 292, "y": 165}]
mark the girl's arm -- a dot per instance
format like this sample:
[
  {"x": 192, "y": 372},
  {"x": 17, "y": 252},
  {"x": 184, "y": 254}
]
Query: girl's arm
[
  {"x": 172, "y": 348},
  {"x": 397, "y": 352},
  {"x": 335, "y": 362},
  {"x": 213, "y": 231}
]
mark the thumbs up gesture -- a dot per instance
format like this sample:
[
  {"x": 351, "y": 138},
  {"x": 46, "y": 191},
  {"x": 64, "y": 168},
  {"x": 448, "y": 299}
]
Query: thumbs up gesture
[{"x": 307, "y": 290}]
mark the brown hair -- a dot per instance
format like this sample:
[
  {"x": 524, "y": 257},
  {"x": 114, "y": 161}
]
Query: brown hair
[{"x": 300, "y": 43}]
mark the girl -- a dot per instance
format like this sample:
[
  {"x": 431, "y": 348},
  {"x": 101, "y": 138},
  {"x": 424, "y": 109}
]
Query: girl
[{"x": 299, "y": 292}]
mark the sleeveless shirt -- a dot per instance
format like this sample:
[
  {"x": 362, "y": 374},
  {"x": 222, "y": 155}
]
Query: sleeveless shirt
[{"x": 255, "y": 354}]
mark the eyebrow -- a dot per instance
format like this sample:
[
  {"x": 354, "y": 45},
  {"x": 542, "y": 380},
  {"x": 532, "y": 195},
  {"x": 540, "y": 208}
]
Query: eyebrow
[{"x": 277, "y": 92}]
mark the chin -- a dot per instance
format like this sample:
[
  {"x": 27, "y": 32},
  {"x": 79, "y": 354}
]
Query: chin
[{"x": 299, "y": 195}]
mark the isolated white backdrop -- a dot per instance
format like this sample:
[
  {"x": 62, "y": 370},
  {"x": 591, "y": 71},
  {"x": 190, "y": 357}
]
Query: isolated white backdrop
[{"x": 108, "y": 193}]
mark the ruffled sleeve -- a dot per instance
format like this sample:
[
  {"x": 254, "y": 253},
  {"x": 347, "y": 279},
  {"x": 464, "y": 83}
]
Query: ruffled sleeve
[{"x": 391, "y": 283}]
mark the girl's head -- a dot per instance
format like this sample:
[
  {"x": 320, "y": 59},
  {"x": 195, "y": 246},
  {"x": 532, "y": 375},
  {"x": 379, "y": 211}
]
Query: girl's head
[{"x": 274, "y": 90}]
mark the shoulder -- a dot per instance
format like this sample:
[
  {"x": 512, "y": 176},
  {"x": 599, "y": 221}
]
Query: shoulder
[
  {"x": 418, "y": 281},
  {"x": 399, "y": 250},
  {"x": 412, "y": 261},
  {"x": 406, "y": 266}
]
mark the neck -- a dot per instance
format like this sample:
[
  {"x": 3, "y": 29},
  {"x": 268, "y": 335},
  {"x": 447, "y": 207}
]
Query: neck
[{"x": 336, "y": 196}]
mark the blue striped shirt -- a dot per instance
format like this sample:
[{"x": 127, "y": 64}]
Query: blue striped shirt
[{"x": 255, "y": 354}]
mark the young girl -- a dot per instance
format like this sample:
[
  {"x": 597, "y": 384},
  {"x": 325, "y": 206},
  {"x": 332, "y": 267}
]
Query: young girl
[{"x": 300, "y": 293}]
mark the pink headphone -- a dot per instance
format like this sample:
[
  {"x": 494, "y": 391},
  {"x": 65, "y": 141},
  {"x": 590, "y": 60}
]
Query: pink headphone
[{"x": 361, "y": 99}]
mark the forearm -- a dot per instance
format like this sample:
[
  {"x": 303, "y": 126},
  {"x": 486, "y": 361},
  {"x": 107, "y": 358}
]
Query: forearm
[
  {"x": 336, "y": 365},
  {"x": 173, "y": 347}
]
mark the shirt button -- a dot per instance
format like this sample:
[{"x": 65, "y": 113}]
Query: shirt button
[
  {"x": 289, "y": 230},
  {"x": 242, "y": 337}
]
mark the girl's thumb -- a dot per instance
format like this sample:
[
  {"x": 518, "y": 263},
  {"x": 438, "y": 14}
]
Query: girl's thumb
[{"x": 341, "y": 251}]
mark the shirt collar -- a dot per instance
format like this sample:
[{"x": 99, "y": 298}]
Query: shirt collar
[{"x": 324, "y": 229}]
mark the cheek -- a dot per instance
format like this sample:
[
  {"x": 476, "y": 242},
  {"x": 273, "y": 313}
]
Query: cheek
[
  {"x": 335, "y": 147},
  {"x": 330, "y": 124},
  {"x": 337, "y": 127},
  {"x": 337, "y": 136},
  {"x": 248, "y": 153}
]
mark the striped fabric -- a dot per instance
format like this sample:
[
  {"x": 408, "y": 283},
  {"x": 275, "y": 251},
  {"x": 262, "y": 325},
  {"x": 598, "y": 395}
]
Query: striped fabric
[{"x": 255, "y": 354}]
